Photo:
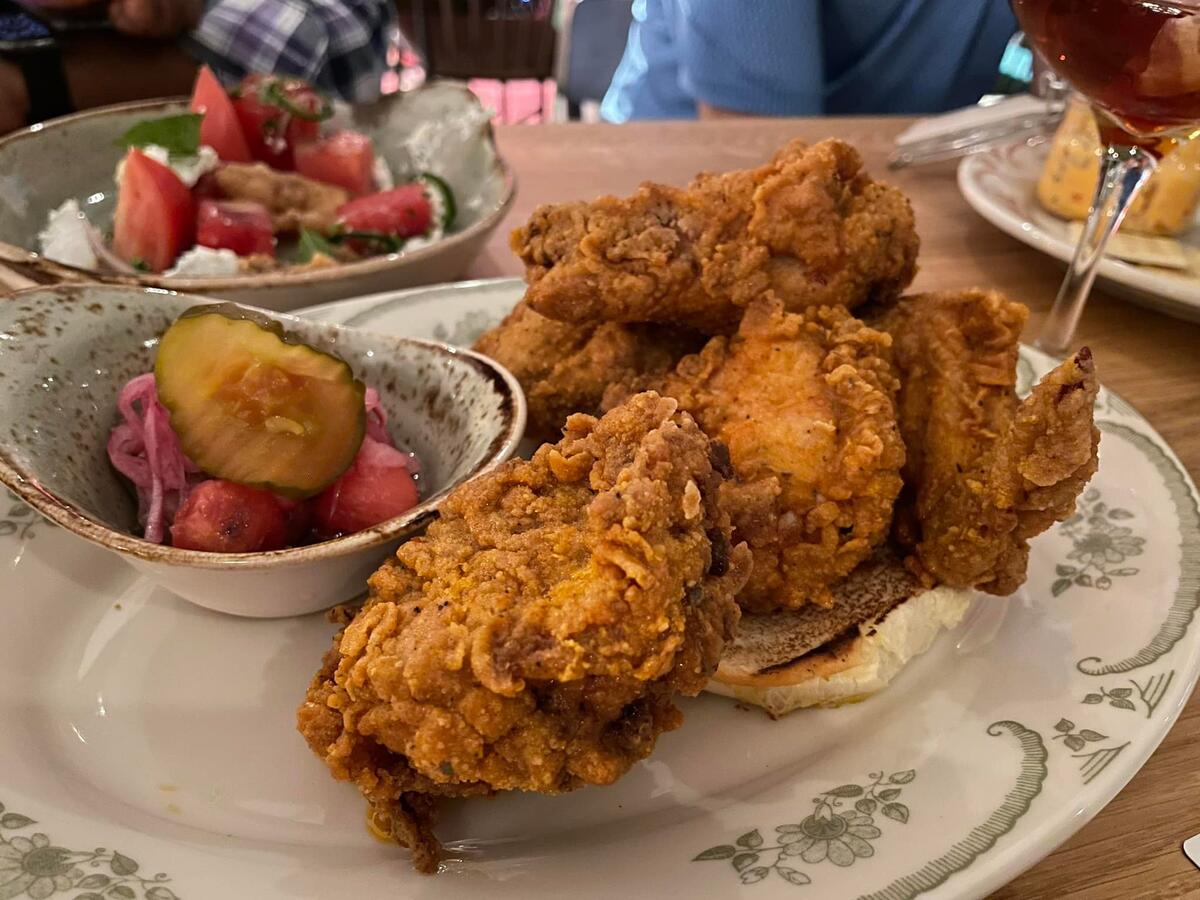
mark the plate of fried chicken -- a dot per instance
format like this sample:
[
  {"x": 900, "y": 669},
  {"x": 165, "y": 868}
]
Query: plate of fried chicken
[{"x": 801, "y": 581}]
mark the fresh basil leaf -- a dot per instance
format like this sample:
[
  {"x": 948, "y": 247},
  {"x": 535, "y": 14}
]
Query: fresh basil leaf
[
  {"x": 274, "y": 94},
  {"x": 313, "y": 242},
  {"x": 388, "y": 242},
  {"x": 180, "y": 134}
]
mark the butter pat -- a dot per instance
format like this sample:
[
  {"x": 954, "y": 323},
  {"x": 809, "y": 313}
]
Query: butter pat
[{"x": 1166, "y": 204}]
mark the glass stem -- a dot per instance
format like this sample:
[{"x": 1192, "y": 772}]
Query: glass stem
[{"x": 1123, "y": 171}]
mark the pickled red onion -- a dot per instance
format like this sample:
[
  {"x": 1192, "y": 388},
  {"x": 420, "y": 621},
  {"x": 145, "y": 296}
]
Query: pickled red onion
[
  {"x": 144, "y": 448},
  {"x": 377, "y": 428},
  {"x": 376, "y": 417}
]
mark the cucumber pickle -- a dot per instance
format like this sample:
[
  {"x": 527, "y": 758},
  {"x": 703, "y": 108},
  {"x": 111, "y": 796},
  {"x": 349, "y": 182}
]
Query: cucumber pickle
[{"x": 253, "y": 404}]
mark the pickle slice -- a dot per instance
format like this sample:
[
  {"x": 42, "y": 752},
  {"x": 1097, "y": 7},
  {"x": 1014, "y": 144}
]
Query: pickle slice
[{"x": 252, "y": 404}]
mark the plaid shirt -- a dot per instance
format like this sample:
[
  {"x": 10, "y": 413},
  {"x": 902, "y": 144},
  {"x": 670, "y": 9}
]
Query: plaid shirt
[{"x": 338, "y": 45}]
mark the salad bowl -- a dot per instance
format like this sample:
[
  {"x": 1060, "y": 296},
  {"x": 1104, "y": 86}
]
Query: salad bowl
[
  {"x": 440, "y": 128},
  {"x": 65, "y": 353}
]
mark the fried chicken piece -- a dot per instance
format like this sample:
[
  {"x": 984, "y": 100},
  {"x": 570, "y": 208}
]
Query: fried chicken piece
[
  {"x": 804, "y": 403},
  {"x": 535, "y": 637},
  {"x": 565, "y": 368},
  {"x": 985, "y": 472},
  {"x": 810, "y": 225},
  {"x": 956, "y": 354},
  {"x": 293, "y": 201}
]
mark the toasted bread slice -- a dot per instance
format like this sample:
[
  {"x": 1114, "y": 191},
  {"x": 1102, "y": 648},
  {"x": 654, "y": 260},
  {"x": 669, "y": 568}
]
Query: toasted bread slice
[{"x": 818, "y": 656}]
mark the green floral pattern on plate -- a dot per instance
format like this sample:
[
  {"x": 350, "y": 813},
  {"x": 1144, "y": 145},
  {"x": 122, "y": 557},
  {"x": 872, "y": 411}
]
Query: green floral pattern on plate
[
  {"x": 1095, "y": 759},
  {"x": 20, "y": 521},
  {"x": 32, "y": 866},
  {"x": 982, "y": 837},
  {"x": 1151, "y": 693},
  {"x": 1075, "y": 740},
  {"x": 745, "y": 855},
  {"x": 1101, "y": 546},
  {"x": 1187, "y": 595},
  {"x": 833, "y": 832}
]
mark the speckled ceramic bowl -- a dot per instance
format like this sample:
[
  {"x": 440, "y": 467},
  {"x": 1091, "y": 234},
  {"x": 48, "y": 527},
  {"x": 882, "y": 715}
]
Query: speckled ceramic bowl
[
  {"x": 66, "y": 351},
  {"x": 439, "y": 128}
]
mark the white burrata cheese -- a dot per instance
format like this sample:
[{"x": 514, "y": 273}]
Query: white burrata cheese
[
  {"x": 437, "y": 205},
  {"x": 384, "y": 180},
  {"x": 65, "y": 238},
  {"x": 188, "y": 168},
  {"x": 205, "y": 262},
  {"x": 424, "y": 240}
]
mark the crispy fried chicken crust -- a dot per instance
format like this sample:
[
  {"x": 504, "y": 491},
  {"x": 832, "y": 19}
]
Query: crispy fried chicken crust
[
  {"x": 535, "y": 637},
  {"x": 985, "y": 472},
  {"x": 810, "y": 225},
  {"x": 804, "y": 404},
  {"x": 565, "y": 368}
]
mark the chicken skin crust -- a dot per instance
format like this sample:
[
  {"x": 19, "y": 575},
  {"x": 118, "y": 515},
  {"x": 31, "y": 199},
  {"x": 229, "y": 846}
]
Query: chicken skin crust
[
  {"x": 804, "y": 404},
  {"x": 565, "y": 368},
  {"x": 985, "y": 472},
  {"x": 535, "y": 637},
  {"x": 810, "y": 226}
]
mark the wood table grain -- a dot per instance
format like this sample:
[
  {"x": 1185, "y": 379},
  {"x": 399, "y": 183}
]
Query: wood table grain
[{"x": 1132, "y": 848}]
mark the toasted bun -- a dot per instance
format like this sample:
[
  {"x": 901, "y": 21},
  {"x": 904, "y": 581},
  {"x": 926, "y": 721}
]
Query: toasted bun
[{"x": 818, "y": 656}]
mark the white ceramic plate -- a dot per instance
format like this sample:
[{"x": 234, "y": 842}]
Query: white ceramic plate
[
  {"x": 999, "y": 184},
  {"x": 148, "y": 748}
]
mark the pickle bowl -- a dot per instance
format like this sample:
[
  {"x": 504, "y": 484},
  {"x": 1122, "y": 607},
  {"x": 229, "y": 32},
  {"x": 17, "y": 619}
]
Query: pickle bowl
[{"x": 67, "y": 350}]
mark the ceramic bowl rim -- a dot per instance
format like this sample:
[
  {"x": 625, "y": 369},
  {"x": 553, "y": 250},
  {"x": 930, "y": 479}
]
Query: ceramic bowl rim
[
  {"x": 49, "y": 269},
  {"x": 84, "y": 525}
]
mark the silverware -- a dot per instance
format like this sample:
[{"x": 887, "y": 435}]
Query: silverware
[
  {"x": 976, "y": 138},
  {"x": 1018, "y": 68}
]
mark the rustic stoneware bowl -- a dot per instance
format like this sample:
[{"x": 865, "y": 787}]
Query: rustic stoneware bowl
[
  {"x": 66, "y": 351},
  {"x": 439, "y": 128}
]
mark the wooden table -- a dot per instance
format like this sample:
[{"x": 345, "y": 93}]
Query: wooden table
[{"x": 1132, "y": 849}]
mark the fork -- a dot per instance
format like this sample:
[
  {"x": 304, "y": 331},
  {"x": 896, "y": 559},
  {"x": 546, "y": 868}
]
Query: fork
[
  {"x": 976, "y": 138},
  {"x": 1017, "y": 68}
]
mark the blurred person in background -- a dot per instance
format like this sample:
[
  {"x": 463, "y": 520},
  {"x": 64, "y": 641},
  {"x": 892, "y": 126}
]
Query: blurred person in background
[
  {"x": 717, "y": 58},
  {"x": 153, "y": 48}
]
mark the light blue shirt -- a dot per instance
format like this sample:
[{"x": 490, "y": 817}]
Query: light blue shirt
[{"x": 807, "y": 57}]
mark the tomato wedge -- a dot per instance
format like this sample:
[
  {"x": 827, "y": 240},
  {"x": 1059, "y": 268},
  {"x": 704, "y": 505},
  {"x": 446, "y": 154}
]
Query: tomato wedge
[
  {"x": 242, "y": 226},
  {"x": 345, "y": 159},
  {"x": 402, "y": 212},
  {"x": 155, "y": 217},
  {"x": 278, "y": 114},
  {"x": 220, "y": 128}
]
